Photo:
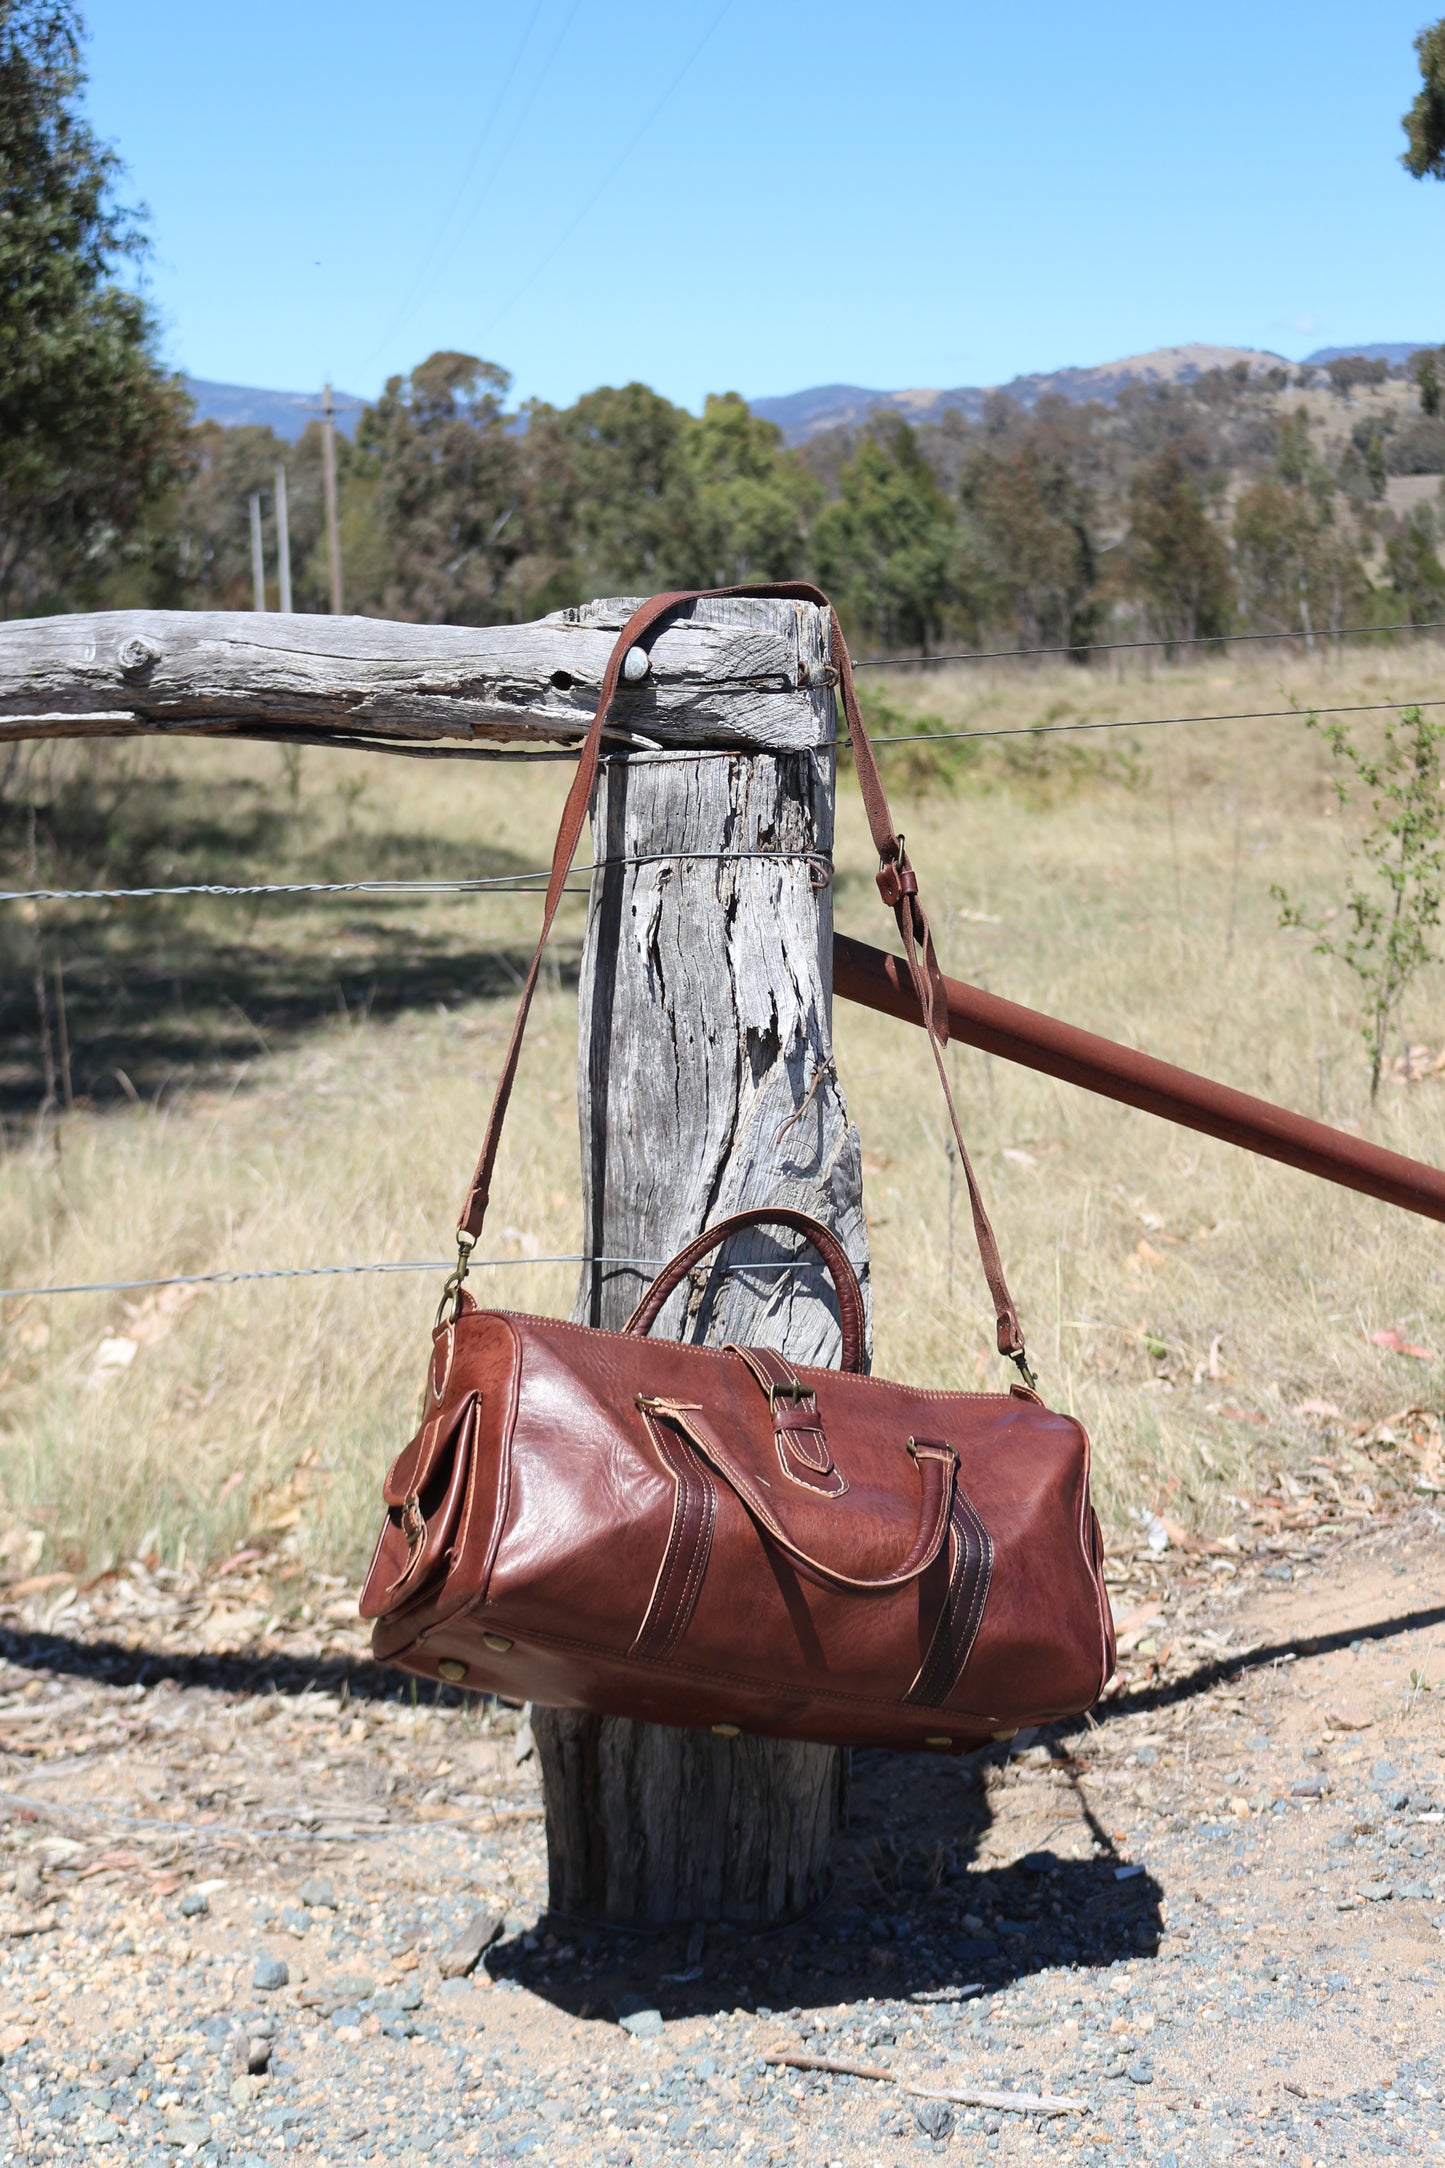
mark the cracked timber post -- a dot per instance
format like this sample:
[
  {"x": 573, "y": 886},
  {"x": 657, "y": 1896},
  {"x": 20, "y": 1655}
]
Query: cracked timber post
[{"x": 707, "y": 1085}]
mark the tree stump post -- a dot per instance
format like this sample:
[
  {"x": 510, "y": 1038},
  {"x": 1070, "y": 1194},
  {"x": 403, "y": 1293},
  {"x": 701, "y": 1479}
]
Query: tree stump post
[{"x": 707, "y": 1085}]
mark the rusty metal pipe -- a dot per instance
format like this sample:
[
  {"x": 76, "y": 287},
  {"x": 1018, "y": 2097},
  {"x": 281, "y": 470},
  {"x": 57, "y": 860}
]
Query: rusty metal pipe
[{"x": 879, "y": 981}]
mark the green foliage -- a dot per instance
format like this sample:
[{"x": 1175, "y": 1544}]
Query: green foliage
[
  {"x": 885, "y": 547},
  {"x": 753, "y": 502},
  {"x": 1414, "y": 570},
  {"x": 1425, "y": 368},
  {"x": 1177, "y": 558},
  {"x": 1397, "y": 879},
  {"x": 1424, "y": 124},
  {"x": 1028, "y": 495},
  {"x": 443, "y": 464},
  {"x": 91, "y": 428},
  {"x": 1297, "y": 570}
]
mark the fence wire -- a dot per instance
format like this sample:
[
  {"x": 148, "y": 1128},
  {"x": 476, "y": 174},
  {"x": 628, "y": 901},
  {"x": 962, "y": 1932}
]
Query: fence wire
[
  {"x": 328, "y": 1272},
  {"x": 523, "y": 884},
  {"x": 1111, "y": 647}
]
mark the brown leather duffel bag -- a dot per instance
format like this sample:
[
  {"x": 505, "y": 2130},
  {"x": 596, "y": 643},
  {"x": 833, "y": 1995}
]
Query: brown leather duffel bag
[{"x": 713, "y": 1536}]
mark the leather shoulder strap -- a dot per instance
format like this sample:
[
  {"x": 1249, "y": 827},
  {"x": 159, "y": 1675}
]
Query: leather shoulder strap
[{"x": 897, "y": 884}]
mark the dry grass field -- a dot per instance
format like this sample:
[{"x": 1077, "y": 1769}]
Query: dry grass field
[{"x": 294, "y": 1082}]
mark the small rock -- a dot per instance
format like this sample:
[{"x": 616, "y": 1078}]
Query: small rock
[
  {"x": 270, "y": 1973},
  {"x": 935, "y": 2118},
  {"x": 1140, "y": 2072},
  {"x": 258, "y": 2055},
  {"x": 1384, "y": 1772},
  {"x": 183, "y": 2129},
  {"x": 1377, "y": 1892},
  {"x": 244, "y": 2090},
  {"x": 194, "y": 1905},
  {"x": 1311, "y": 1788},
  {"x": 317, "y": 1892},
  {"x": 642, "y": 2019},
  {"x": 28, "y": 1881},
  {"x": 12, "y": 2040},
  {"x": 1344, "y": 1716},
  {"x": 351, "y": 1987},
  {"x": 1279, "y": 1572},
  {"x": 294, "y": 1920},
  {"x": 461, "y": 1956}
]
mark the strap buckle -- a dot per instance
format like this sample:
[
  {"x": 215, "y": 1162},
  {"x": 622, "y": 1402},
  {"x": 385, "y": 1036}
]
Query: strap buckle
[
  {"x": 794, "y": 1390},
  {"x": 895, "y": 877},
  {"x": 1020, "y": 1359},
  {"x": 452, "y": 1291}
]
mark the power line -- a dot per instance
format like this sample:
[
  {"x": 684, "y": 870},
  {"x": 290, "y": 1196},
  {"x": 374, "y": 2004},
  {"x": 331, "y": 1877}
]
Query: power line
[
  {"x": 610, "y": 176},
  {"x": 1106, "y": 647},
  {"x": 328, "y": 1272},
  {"x": 1147, "y": 722},
  {"x": 419, "y": 283}
]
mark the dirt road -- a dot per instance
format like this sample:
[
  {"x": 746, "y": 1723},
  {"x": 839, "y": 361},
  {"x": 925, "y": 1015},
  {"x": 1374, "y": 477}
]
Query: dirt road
[{"x": 233, "y": 1864}]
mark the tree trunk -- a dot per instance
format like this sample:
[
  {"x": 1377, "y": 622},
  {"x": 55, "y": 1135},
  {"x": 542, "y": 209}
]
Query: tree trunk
[{"x": 707, "y": 1085}]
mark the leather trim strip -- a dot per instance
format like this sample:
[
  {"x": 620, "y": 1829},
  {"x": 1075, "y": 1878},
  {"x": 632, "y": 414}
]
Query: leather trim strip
[
  {"x": 689, "y": 1544},
  {"x": 957, "y": 1628}
]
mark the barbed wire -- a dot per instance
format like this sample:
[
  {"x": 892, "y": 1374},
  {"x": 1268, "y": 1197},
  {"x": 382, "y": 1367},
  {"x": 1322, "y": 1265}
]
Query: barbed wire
[
  {"x": 328, "y": 1272},
  {"x": 513, "y": 883},
  {"x": 1108, "y": 647},
  {"x": 1147, "y": 722}
]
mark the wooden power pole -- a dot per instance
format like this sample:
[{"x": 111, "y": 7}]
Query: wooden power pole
[
  {"x": 258, "y": 555},
  {"x": 283, "y": 546},
  {"x": 707, "y": 1084},
  {"x": 328, "y": 477}
]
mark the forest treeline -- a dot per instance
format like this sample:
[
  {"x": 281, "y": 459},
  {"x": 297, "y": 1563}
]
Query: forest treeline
[{"x": 1233, "y": 502}]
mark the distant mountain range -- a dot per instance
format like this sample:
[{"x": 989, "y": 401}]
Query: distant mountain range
[
  {"x": 803, "y": 414},
  {"x": 236, "y": 406}
]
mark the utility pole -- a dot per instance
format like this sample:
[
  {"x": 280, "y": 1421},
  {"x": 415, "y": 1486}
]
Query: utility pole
[
  {"x": 328, "y": 473},
  {"x": 258, "y": 561},
  {"x": 283, "y": 544}
]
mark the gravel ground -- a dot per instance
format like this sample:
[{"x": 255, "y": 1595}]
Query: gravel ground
[{"x": 234, "y": 1858}]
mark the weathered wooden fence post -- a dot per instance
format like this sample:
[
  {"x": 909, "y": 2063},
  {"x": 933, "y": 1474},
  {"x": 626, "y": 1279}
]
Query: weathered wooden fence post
[{"x": 707, "y": 1084}]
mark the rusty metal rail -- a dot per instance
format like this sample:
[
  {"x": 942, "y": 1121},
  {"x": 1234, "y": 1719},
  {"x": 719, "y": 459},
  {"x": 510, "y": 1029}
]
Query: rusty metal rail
[{"x": 879, "y": 981}]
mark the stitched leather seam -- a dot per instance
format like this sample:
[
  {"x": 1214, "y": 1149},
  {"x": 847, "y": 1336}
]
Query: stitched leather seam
[
  {"x": 814, "y": 1490},
  {"x": 657, "y": 1599},
  {"x": 891, "y": 1385},
  {"x": 506, "y": 1438},
  {"x": 697, "y": 1564},
  {"x": 953, "y": 1638},
  {"x": 668, "y": 1616},
  {"x": 801, "y": 1692}
]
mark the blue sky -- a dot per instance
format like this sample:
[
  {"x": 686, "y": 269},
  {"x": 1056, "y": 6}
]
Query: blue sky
[{"x": 765, "y": 194}]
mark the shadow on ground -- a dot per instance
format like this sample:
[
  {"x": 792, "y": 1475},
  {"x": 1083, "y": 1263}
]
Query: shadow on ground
[{"x": 911, "y": 1917}]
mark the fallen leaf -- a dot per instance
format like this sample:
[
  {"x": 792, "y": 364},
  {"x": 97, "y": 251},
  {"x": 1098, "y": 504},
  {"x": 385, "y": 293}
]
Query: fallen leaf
[
  {"x": 108, "y": 1861},
  {"x": 1147, "y": 1252},
  {"x": 38, "y": 1583},
  {"x": 1142, "y": 1615},
  {"x": 1324, "y": 1409},
  {"x": 1396, "y": 1345}
]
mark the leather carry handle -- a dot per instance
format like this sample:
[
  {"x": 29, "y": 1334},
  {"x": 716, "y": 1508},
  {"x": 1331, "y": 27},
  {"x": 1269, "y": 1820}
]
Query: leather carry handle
[
  {"x": 897, "y": 884},
  {"x": 936, "y": 1464},
  {"x": 829, "y": 1248}
]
